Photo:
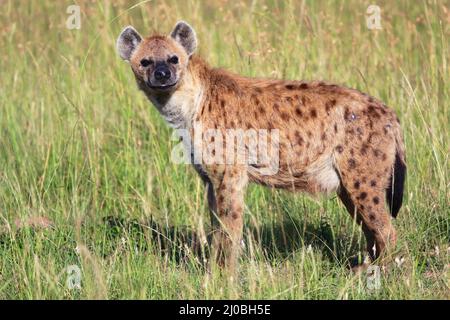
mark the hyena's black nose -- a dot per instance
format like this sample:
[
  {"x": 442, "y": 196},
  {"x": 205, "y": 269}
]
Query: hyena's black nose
[{"x": 162, "y": 73}]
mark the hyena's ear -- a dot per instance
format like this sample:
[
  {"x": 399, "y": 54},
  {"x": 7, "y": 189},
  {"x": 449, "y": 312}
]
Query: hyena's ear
[
  {"x": 127, "y": 42},
  {"x": 185, "y": 35}
]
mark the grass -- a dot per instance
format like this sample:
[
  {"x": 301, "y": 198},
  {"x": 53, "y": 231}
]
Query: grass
[{"x": 82, "y": 147}]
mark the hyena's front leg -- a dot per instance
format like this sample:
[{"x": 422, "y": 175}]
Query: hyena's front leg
[{"x": 228, "y": 217}]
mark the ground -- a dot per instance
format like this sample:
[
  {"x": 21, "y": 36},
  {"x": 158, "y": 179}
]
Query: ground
[{"x": 86, "y": 182}]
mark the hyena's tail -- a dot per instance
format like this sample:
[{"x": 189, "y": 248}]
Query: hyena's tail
[{"x": 394, "y": 192}]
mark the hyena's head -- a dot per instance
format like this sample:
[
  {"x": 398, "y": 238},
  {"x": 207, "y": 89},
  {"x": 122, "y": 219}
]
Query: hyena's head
[{"x": 158, "y": 62}]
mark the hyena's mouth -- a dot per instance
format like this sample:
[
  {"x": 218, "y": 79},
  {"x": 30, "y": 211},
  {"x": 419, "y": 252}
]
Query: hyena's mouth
[{"x": 162, "y": 87}]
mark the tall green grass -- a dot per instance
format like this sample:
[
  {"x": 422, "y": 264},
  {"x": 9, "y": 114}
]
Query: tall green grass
[{"x": 82, "y": 147}]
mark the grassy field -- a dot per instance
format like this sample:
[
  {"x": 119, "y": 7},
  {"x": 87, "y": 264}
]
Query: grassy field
[{"x": 85, "y": 172}]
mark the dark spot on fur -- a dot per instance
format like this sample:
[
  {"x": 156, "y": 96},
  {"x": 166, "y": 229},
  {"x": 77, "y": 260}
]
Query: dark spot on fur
[
  {"x": 373, "y": 111},
  {"x": 284, "y": 116},
  {"x": 323, "y": 136},
  {"x": 299, "y": 138},
  {"x": 261, "y": 110},
  {"x": 372, "y": 217},
  {"x": 303, "y": 86},
  {"x": 313, "y": 113},
  {"x": 255, "y": 99},
  {"x": 364, "y": 148},
  {"x": 356, "y": 184},
  {"x": 363, "y": 195},
  {"x": 376, "y": 200},
  {"x": 298, "y": 112},
  {"x": 276, "y": 106},
  {"x": 377, "y": 153},
  {"x": 330, "y": 104},
  {"x": 373, "y": 183},
  {"x": 350, "y": 131},
  {"x": 335, "y": 128},
  {"x": 339, "y": 149},
  {"x": 359, "y": 130},
  {"x": 290, "y": 87},
  {"x": 351, "y": 163}
]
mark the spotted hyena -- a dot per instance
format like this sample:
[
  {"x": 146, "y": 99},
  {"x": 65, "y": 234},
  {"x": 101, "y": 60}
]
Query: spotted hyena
[{"x": 329, "y": 138}]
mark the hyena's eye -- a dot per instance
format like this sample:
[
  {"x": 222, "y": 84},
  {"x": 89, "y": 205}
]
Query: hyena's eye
[
  {"x": 173, "y": 60},
  {"x": 146, "y": 62}
]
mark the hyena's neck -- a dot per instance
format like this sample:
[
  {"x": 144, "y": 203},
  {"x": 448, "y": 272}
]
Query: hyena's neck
[{"x": 180, "y": 107}]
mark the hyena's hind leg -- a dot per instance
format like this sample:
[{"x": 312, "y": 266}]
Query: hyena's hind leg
[
  {"x": 365, "y": 199},
  {"x": 368, "y": 208}
]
